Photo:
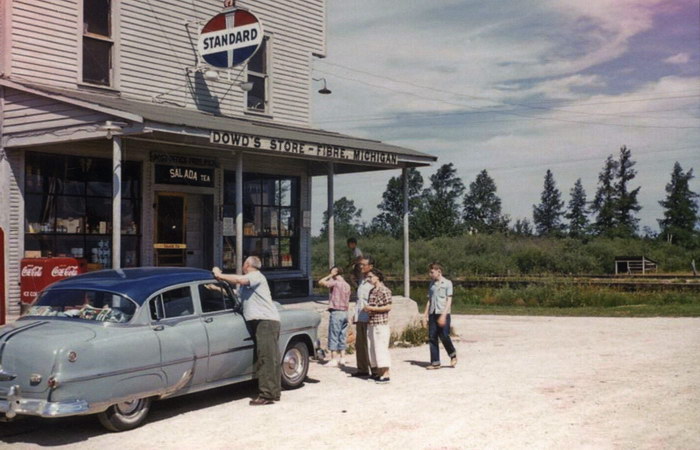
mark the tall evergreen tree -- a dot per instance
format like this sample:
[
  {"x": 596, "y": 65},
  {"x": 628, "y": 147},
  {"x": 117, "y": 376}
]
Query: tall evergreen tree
[
  {"x": 604, "y": 203},
  {"x": 482, "y": 207},
  {"x": 439, "y": 212},
  {"x": 390, "y": 219},
  {"x": 626, "y": 200},
  {"x": 547, "y": 215},
  {"x": 347, "y": 218},
  {"x": 577, "y": 214},
  {"x": 680, "y": 208},
  {"x": 522, "y": 227}
]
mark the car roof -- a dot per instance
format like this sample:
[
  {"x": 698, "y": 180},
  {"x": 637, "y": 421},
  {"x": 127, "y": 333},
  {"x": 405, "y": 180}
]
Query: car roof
[{"x": 136, "y": 283}]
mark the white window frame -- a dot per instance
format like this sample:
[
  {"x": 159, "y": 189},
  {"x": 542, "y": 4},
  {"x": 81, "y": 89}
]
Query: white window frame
[
  {"x": 267, "y": 110},
  {"x": 114, "y": 18}
]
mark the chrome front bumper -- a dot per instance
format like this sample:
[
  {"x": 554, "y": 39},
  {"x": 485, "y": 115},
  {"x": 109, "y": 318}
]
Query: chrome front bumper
[{"x": 13, "y": 404}]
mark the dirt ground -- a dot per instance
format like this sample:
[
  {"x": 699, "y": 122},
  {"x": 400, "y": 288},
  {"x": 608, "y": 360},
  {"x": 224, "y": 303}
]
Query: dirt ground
[{"x": 521, "y": 382}]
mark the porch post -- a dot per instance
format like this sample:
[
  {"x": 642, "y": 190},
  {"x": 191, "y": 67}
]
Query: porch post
[
  {"x": 331, "y": 217},
  {"x": 406, "y": 261},
  {"x": 239, "y": 213},
  {"x": 116, "y": 201}
]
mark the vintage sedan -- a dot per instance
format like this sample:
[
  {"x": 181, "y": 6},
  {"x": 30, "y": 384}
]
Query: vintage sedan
[{"x": 110, "y": 342}]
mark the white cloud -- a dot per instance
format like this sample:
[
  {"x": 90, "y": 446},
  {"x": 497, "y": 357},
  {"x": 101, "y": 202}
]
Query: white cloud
[
  {"x": 468, "y": 70},
  {"x": 678, "y": 58}
]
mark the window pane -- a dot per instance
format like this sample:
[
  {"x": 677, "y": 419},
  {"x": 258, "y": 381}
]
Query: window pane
[
  {"x": 288, "y": 222},
  {"x": 130, "y": 216},
  {"x": 38, "y": 243},
  {"x": 99, "y": 176},
  {"x": 42, "y": 172},
  {"x": 251, "y": 190},
  {"x": 256, "y": 96},
  {"x": 96, "y": 17},
  {"x": 229, "y": 257},
  {"x": 211, "y": 296},
  {"x": 130, "y": 251},
  {"x": 229, "y": 188},
  {"x": 131, "y": 179},
  {"x": 257, "y": 63},
  {"x": 269, "y": 191},
  {"x": 71, "y": 246},
  {"x": 40, "y": 213},
  {"x": 178, "y": 302},
  {"x": 97, "y": 61},
  {"x": 72, "y": 174},
  {"x": 284, "y": 190},
  {"x": 99, "y": 216},
  {"x": 70, "y": 214},
  {"x": 98, "y": 250}
]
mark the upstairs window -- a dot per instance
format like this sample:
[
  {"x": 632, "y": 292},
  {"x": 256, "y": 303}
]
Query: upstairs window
[
  {"x": 97, "y": 42},
  {"x": 258, "y": 74}
]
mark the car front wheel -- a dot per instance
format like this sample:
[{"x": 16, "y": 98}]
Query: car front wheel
[
  {"x": 295, "y": 365},
  {"x": 125, "y": 415}
]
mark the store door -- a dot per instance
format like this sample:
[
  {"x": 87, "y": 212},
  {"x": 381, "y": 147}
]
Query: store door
[
  {"x": 170, "y": 244},
  {"x": 184, "y": 230}
]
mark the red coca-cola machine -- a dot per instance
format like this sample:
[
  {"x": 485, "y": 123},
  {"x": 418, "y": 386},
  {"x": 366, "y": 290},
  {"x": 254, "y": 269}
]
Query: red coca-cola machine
[{"x": 37, "y": 273}]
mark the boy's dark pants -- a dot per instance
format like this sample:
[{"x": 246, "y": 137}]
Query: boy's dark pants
[{"x": 443, "y": 333}]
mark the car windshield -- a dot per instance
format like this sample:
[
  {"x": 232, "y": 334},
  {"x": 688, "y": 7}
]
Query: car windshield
[{"x": 84, "y": 305}]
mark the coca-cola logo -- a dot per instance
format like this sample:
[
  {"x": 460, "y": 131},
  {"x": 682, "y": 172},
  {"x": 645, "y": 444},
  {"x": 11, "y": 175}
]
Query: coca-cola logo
[
  {"x": 33, "y": 271},
  {"x": 64, "y": 271}
]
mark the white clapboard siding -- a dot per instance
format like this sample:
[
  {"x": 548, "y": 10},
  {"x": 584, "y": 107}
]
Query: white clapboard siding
[
  {"x": 26, "y": 112},
  {"x": 15, "y": 233},
  {"x": 156, "y": 43},
  {"x": 39, "y": 28}
]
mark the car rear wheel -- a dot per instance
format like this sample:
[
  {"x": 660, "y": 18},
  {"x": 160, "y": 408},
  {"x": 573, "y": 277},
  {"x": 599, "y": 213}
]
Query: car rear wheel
[
  {"x": 125, "y": 415},
  {"x": 295, "y": 365}
]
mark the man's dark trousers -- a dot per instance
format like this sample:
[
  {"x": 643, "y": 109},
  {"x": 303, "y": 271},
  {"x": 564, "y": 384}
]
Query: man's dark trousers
[
  {"x": 266, "y": 335},
  {"x": 435, "y": 332}
]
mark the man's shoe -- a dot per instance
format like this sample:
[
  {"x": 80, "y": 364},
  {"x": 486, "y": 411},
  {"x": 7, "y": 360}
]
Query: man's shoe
[
  {"x": 382, "y": 380},
  {"x": 453, "y": 361},
  {"x": 359, "y": 375},
  {"x": 433, "y": 367},
  {"x": 261, "y": 401}
]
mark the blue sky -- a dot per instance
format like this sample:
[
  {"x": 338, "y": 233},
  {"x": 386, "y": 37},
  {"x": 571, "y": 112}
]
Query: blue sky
[{"x": 516, "y": 88}]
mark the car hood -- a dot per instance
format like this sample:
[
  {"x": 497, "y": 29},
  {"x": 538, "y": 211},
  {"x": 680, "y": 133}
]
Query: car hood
[{"x": 30, "y": 347}]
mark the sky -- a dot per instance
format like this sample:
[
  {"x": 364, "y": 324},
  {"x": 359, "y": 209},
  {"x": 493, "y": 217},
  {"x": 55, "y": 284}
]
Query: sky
[{"x": 516, "y": 88}]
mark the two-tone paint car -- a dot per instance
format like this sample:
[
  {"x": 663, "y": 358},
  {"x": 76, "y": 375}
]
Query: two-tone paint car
[{"x": 110, "y": 342}]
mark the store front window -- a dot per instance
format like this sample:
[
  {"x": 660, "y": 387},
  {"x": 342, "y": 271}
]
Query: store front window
[
  {"x": 271, "y": 208},
  {"x": 68, "y": 208}
]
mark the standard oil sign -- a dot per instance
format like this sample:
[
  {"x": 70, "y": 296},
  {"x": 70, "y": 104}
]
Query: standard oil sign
[{"x": 230, "y": 38}]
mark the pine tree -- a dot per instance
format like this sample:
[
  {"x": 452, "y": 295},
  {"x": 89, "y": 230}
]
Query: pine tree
[
  {"x": 547, "y": 215},
  {"x": 604, "y": 203},
  {"x": 626, "y": 201},
  {"x": 482, "y": 207},
  {"x": 577, "y": 214},
  {"x": 522, "y": 227},
  {"x": 439, "y": 212},
  {"x": 390, "y": 219},
  {"x": 680, "y": 208}
]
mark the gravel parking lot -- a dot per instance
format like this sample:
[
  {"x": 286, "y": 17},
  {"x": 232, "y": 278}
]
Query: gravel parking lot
[{"x": 521, "y": 382}]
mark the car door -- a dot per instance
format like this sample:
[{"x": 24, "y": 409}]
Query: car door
[
  {"x": 182, "y": 338},
  {"x": 230, "y": 345}
]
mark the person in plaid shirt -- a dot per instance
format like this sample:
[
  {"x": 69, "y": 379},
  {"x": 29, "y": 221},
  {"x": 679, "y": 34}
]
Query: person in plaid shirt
[{"x": 378, "y": 332}]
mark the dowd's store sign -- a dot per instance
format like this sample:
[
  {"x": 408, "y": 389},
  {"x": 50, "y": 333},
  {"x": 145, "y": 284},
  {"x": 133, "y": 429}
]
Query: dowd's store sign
[{"x": 311, "y": 149}]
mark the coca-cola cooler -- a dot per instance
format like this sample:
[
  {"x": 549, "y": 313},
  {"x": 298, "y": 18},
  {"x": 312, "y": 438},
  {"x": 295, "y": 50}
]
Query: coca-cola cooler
[{"x": 37, "y": 273}]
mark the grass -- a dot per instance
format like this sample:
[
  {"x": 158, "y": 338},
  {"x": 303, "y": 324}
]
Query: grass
[{"x": 557, "y": 299}]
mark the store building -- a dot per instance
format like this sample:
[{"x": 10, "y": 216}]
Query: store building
[{"x": 123, "y": 145}]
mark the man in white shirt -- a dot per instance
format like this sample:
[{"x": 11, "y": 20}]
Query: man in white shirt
[{"x": 263, "y": 322}]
